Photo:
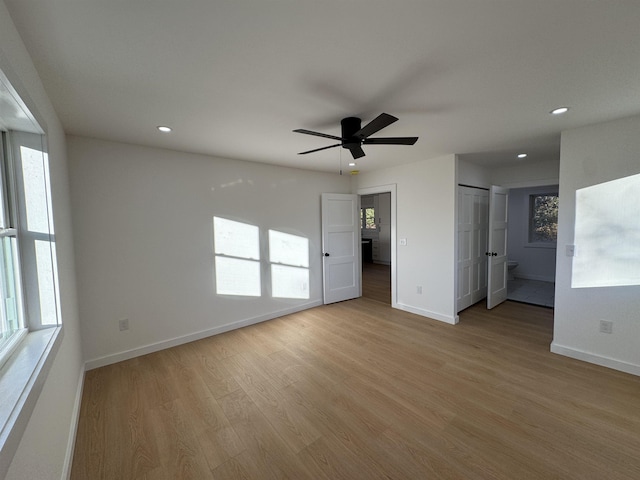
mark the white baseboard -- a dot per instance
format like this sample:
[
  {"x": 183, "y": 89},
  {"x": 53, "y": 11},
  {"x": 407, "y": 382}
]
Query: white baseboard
[
  {"x": 426, "y": 313},
  {"x": 596, "y": 359},
  {"x": 173, "y": 342},
  {"x": 540, "y": 278},
  {"x": 73, "y": 431}
]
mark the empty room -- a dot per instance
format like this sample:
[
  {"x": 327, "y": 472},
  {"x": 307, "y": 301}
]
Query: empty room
[{"x": 319, "y": 240}]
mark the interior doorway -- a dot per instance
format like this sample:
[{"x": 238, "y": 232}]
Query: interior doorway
[
  {"x": 378, "y": 238},
  {"x": 532, "y": 230}
]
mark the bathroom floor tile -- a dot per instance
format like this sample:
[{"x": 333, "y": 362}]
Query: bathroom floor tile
[{"x": 535, "y": 292}]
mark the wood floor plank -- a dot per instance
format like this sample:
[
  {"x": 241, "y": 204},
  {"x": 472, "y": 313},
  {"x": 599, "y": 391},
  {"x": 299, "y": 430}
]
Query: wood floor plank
[
  {"x": 173, "y": 430},
  {"x": 292, "y": 426},
  {"x": 267, "y": 454},
  {"x": 360, "y": 390}
]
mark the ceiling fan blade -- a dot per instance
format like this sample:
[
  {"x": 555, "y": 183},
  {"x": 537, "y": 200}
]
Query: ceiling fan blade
[
  {"x": 378, "y": 123},
  {"x": 318, "y": 149},
  {"x": 391, "y": 141},
  {"x": 356, "y": 151},
  {"x": 317, "y": 134}
]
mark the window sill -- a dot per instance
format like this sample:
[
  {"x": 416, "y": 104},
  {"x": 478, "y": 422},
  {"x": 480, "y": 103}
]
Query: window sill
[
  {"x": 21, "y": 381},
  {"x": 540, "y": 245}
]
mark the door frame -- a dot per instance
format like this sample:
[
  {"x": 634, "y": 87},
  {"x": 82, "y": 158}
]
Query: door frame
[{"x": 390, "y": 188}]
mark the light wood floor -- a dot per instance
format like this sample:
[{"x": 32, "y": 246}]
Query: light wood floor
[{"x": 357, "y": 390}]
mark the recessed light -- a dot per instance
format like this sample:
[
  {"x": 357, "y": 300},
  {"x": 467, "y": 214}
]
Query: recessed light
[
  {"x": 559, "y": 111},
  {"x": 522, "y": 155},
  {"x": 164, "y": 129},
  {"x": 352, "y": 164}
]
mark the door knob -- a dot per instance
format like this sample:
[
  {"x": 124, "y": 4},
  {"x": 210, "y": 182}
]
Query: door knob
[{"x": 326, "y": 254}]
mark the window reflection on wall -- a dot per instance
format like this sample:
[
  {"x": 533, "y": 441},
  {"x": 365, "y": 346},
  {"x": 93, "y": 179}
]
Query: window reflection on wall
[
  {"x": 607, "y": 234},
  {"x": 238, "y": 262},
  {"x": 289, "y": 257}
]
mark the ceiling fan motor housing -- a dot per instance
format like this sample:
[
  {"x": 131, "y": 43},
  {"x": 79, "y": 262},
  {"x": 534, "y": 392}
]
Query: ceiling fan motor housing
[{"x": 350, "y": 126}]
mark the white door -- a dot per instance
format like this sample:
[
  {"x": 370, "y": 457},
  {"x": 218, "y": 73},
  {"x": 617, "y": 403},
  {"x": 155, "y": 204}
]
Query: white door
[
  {"x": 340, "y": 247},
  {"x": 473, "y": 226},
  {"x": 497, "y": 252}
]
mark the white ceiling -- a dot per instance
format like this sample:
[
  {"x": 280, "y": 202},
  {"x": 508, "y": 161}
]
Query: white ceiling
[{"x": 235, "y": 77}]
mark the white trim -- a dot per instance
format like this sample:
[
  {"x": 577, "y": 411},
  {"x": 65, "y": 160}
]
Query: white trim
[
  {"x": 429, "y": 314},
  {"x": 192, "y": 337},
  {"x": 392, "y": 189},
  {"x": 596, "y": 359},
  {"x": 73, "y": 429},
  {"x": 553, "y": 245}
]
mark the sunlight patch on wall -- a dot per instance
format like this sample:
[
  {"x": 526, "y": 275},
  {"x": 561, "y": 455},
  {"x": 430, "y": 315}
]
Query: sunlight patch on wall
[
  {"x": 289, "y": 256},
  {"x": 607, "y": 234},
  {"x": 238, "y": 269},
  {"x": 237, "y": 262}
]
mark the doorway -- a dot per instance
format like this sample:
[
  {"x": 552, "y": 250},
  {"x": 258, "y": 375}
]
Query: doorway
[
  {"x": 378, "y": 237},
  {"x": 529, "y": 271},
  {"x": 532, "y": 244}
]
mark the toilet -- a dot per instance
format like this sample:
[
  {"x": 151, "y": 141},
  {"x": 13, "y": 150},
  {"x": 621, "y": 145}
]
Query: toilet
[{"x": 511, "y": 266}]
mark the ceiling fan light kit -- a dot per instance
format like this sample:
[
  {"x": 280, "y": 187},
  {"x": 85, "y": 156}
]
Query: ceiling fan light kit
[{"x": 354, "y": 135}]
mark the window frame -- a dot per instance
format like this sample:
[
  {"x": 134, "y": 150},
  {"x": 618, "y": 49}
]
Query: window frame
[{"x": 8, "y": 229}]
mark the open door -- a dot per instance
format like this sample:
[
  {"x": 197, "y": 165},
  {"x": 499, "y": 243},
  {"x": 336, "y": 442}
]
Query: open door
[
  {"x": 497, "y": 252},
  {"x": 340, "y": 247}
]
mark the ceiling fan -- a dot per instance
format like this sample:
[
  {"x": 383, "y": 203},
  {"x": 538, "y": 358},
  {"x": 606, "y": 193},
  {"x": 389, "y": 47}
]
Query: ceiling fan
[{"x": 354, "y": 136}]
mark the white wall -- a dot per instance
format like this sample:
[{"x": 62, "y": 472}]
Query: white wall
[
  {"x": 534, "y": 262},
  {"x": 472, "y": 175},
  {"x": 42, "y": 452},
  {"x": 143, "y": 220},
  {"x": 426, "y": 194},
  {"x": 528, "y": 174},
  {"x": 590, "y": 156}
]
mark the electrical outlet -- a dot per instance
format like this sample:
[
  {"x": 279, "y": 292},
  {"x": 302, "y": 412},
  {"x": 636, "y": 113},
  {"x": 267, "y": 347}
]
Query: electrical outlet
[
  {"x": 123, "y": 324},
  {"x": 419, "y": 289},
  {"x": 606, "y": 326}
]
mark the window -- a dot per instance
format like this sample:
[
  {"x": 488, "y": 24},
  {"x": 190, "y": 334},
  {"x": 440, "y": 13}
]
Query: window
[
  {"x": 30, "y": 330},
  {"x": 543, "y": 218},
  {"x": 12, "y": 324},
  {"x": 368, "y": 218}
]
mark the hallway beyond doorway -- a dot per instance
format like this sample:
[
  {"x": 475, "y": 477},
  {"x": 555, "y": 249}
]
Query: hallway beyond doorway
[{"x": 376, "y": 282}]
